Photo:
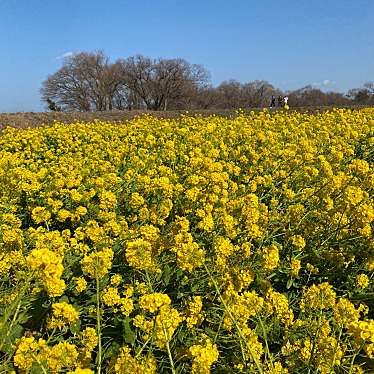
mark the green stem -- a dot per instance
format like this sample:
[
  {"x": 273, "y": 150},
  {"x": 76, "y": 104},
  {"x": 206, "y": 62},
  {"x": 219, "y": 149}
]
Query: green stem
[
  {"x": 241, "y": 335},
  {"x": 314, "y": 343},
  {"x": 14, "y": 317},
  {"x": 40, "y": 364},
  {"x": 219, "y": 328},
  {"x": 149, "y": 281},
  {"x": 336, "y": 349},
  {"x": 98, "y": 319},
  {"x": 50, "y": 336},
  {"x": 168, "y": 347},
  {"x": 143, "y": 346},
  {"x": 353, "y": 359},
  {"x": 163, "y": 328},
  {"x": 266, "y": 344},
  {"x": 9, "y": 311}
]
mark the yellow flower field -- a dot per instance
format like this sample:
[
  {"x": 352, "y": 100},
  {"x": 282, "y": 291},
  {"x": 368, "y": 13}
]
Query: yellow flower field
[{"x": 190, "y": 245}]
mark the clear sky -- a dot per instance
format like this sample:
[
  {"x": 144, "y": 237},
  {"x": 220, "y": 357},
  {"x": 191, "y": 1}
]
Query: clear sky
[{"x": 290, "y": 43}]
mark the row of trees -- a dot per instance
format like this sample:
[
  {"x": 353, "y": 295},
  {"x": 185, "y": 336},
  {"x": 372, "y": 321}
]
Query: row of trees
[
  {"x": 363, "y": 95},
  {"x": 90, "y": 82}
]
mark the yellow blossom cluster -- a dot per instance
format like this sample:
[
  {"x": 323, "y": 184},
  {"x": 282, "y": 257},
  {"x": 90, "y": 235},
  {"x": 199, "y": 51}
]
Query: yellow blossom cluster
[
  {"x": 320, "y": 296},
  {"x": 194, "y": 312},
  {"x": 126, "y": 363},
  {"x": 188, "y": 253},
  {"x": 97, "y": 264},
  {"x": 49, "y": 268},
  {"x": 239, "y": 244},
  {"x": 62, "y": 314},
  {"x": 203, "y": 356},
  {"x": 162, "y": 326}
]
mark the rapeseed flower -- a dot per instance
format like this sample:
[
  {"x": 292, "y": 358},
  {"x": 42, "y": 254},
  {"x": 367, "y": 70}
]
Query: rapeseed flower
[{"x": 254, "y": 229}]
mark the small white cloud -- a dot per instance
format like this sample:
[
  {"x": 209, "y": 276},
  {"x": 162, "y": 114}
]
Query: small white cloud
[
  {"x": 325, "y": 82},
  {"x": 66, "y": 55}
]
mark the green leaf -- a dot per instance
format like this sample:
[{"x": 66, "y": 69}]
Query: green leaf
[
  {"x": 290, "y": 283},
  {"x": 129, "y": 334},
  {"x": 75, "y": 327},
  {"x": 112, "y": 350},
  {"x": 9, "y": 341},
  {"x": 37, "y": 369},
  {"x": 166, "y": 275},
  {"x": 64, "y": 298}
]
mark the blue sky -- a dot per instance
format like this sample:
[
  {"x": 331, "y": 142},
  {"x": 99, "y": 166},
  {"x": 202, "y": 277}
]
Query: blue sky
[{"x": 329, "y": 43}]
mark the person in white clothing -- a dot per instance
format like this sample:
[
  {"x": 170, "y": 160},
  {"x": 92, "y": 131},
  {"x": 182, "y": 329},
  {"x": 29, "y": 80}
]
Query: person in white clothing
[{"x": 285, "y": 101}]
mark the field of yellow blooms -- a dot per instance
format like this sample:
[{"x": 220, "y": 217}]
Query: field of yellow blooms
[{"x": 189, "y": 245}]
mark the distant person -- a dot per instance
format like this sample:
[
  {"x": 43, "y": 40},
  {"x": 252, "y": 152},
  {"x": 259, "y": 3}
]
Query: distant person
[
  {"x": 285, "y": 100},
  {"x": 280, "y": 101},
  {"x": 272, "y": 104}
]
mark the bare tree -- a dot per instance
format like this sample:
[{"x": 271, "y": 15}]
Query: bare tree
[
  {"x": 66, "y": 90},
  {"x": 233, "y": 94},
  {"x": 230, "y": 94},
  {"x": 363, "y": 95},
  {"x": 370, "y": 87},
  {"x": 164, "y": 83},
  {"x": 85, "y": 82},
  {"x": 258, "y": 93},
  {"x": 311, "y": 96},
  {"x": 206, "y": 97}
]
